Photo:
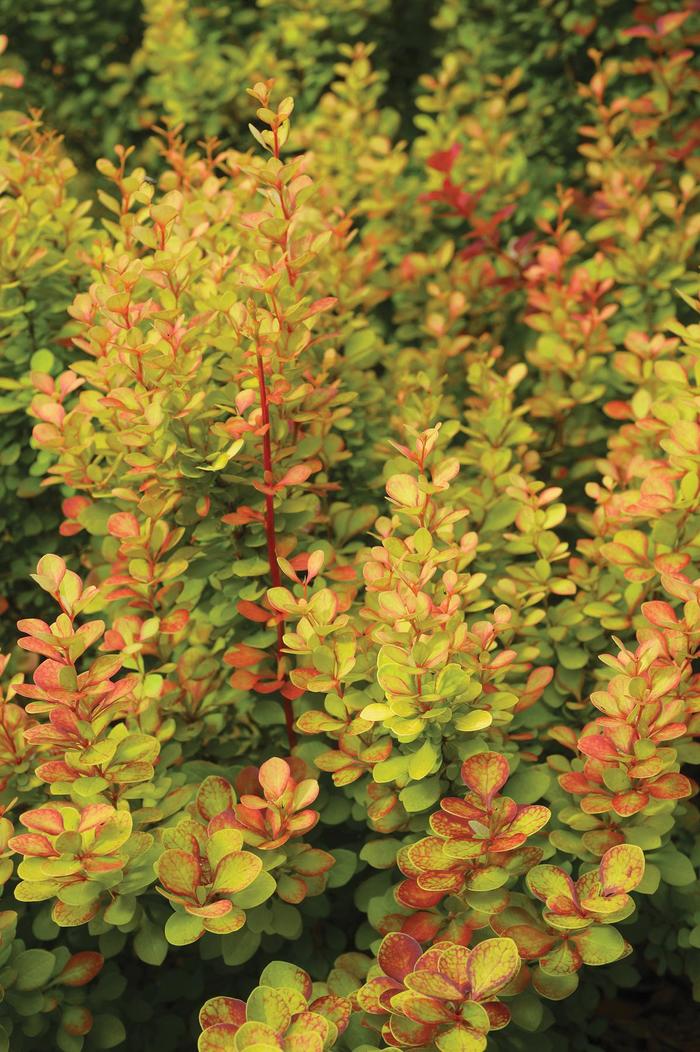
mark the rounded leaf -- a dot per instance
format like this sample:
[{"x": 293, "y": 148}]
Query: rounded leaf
[
  {"x": 255, "y": 1037},
  {"x": 236, "y": 872},
  {"x": 460, "y": 1039},
  {"x": 123, "y": 524},
  {"x": 81, "y": 968},
  {"x": 621, "y": 868},
  {"x": 214, "y": 795},
  {"x": 554, "y": 987},
  {"x": 256, "y": 893},
  {"x": 217, "y": 1010},
  {"x": 551, "y": 885},
  {"x": 282, "y": 975},
  {"x": 491, "y": 965},
  {"x": 485, "y": 774},
  {"x": 43, "y": 820},
  {"x": 34, "y": 968},
  {"x": 220, "y": 1038},
  {"x": 600, "y": 944},
  {"x": 227, "y": 923},
  {"x": 268, "y": 1004},
  {"x": 530, "y": 819},
  {"x": 72, "y": 916},
  {"x": 181, "y": 929},
  {"x": 398, "y": 954},
  {"x": 179, "y": 872},
  {"x": 421, "y": 1009},
  {"x": 274, "y": 777},
  {"x": 532, "y": 942}
]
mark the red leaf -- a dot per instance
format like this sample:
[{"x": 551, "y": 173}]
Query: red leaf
[
  {"x": 443, "y": 160},
  {"x": 398, "y": 954},
  {"x": 660, "y": 614},
  {"x": 174, "y": 622},
  {"x": 485, "y": 774},
  {"x": 673, "y": 20},
  {"x": 81, "y": 968},
  {"x": 318, "y": 306},
  {"x": 252, "y": 612},
  {"x": 123, "y": 524},
  {"x": 222, "y": 1010},
  {"x": 297, "y": 474},
  {"x": 43, "y": 819},
  {"x": 32, "y": 844},
  {"x": 243, "y": 656},
  {"x": 670, "y": 787}
]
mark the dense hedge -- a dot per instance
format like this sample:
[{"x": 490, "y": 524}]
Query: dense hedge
[{"x": 351, "y": 507}]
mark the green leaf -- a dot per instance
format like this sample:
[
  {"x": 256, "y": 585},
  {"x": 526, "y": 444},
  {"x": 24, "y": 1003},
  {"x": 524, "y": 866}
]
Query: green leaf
[
  {"x": 150, "y": 944},
  {"x": 500, "y": 515},
  {"x": 675, "y": 868},
  {"x": 362, "y": 349},
  {"x": 390, "y": 770},
  {"x": 380, "y": 854},
  {"x": 286, "y": 920},
  {"x": 282, "y": 975},
  {"x": 42, "y": 361},
  {"x": 107, "y": 1031},
  {"x": 528, "y": 784},
  {"x": 554, "y": 987},
  {"x": 451, "y": 680},
  {"x": 421, "y": 795},
  {"x": 650, "y": 881},
  {"x": 181, "y": 929},
  {"x": 474, "y": 720},
  {"x": 240, "y": 947},
  {"x": 344, "y": 868},
  {"x": 527, "y": 1011},
  {"x": 253, "y": 567},
  {"x": 269, "y": 1005},
  {"x": 256, "y": 893},
  {"x": 600, "y": 944},
  {"x": 572, "y": 657},
  {"x": 236, "y": 872},
  {"x": 423, "y": 761},
  {"x": 34, "y": 969}
]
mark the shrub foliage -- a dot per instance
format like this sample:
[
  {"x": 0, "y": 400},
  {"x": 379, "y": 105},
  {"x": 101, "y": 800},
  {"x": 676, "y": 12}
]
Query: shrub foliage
[{"x": 351, "y": 478}]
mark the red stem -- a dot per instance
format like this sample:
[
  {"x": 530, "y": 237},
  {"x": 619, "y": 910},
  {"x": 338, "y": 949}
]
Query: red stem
[{"x": 271, "y": 535}]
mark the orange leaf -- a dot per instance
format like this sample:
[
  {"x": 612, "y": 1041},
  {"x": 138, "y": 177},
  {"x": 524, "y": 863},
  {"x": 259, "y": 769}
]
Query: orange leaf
[
  {"x": 81, "y": 968},
  {"x": 123, "y": 524},
  {"x": 274, "y": 777},
  {"x": 485, "y": 774}
]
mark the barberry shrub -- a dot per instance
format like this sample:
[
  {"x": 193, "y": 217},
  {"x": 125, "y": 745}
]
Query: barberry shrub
[{"x": 355, "y": 698}]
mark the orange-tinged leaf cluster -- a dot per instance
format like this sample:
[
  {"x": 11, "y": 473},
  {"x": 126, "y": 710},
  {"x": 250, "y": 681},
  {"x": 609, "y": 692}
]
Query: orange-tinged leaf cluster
[
  {"x": 274, "y": 805},
  {"x": 444, "y": 997},
  {"x": 366, "y": 449},
  {"x": 282, "y": 1012},
  {"x": 477, "y": 843}
]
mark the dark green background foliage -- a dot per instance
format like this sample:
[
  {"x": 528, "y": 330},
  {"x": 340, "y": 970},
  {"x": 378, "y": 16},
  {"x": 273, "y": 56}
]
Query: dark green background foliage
[{"x": 79, "y": 56}]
